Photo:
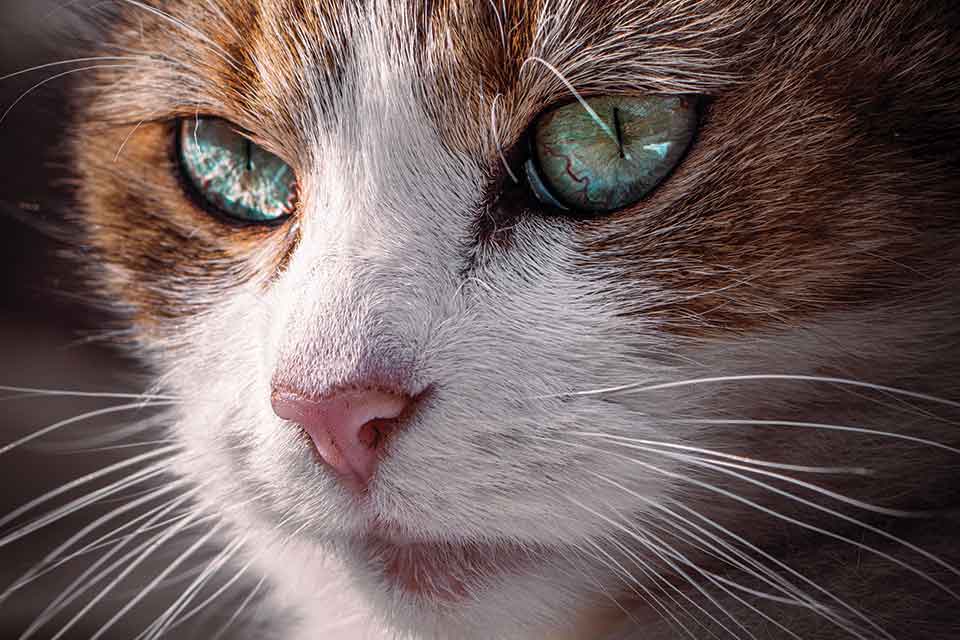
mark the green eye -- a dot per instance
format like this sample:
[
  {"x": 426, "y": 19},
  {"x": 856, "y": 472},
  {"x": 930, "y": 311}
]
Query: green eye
[
  {"x": 611, "y": 158},
  {"x": 233, "y": 174}
]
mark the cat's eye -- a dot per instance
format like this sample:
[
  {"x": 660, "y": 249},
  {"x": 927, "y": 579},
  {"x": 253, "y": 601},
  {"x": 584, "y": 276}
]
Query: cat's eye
[
  {"x": 609, "y": 153},
  {"x": 233, "y": 174}
]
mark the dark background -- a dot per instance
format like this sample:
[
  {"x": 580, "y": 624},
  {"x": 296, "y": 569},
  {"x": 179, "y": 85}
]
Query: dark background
[{"x": 46, "y": 331}]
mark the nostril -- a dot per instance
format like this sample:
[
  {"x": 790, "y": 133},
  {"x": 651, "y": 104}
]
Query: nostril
[{"x": 349, "y": 426}]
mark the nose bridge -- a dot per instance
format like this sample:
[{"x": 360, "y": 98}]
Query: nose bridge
[
  {"x": 349, "y": 323},
  {"x": 388, "y": 211},
  {"x": 362, "y": 293}
]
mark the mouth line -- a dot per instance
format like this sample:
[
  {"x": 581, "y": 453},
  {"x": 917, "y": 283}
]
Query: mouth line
[{"x": 440, "y": 571}]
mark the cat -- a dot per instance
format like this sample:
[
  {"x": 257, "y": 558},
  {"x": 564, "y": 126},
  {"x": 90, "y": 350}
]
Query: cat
[{"x": 546, "y": 318}]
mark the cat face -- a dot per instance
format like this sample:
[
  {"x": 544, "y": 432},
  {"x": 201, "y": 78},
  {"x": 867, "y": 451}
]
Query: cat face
[{"x": 808, "y": 230}]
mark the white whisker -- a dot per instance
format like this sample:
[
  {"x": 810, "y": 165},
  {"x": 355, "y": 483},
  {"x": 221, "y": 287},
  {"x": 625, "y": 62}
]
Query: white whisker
[
  {"x": 46, "y": 564},
  {"x": 156, "y": 581},
  {"x": 641, "y": 387},
  {"x": 87, "y": 394},
  {"x": 75, "y": 419},
  {"x": 163, "y": 623},
  {"x": 236, "y": 614},
  {"x": 90, "y": 477},
  {"x": 57, "y": 76},
  {"x": 822, "y": 426}
]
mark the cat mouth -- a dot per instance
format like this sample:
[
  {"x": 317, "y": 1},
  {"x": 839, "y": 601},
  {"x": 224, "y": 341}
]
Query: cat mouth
[{"x": 441, "y": 571}]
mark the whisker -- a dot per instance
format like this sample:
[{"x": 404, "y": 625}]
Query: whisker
[
  {"x": 717, "y": 466},
  {"x": 121, "y": 447},
  {"x": 61, "y": 63},
  {"x": 44, "y": 566},
  {"x": 80, "y": 418},
  {"x": 126, "y": 139},
  {"x": 790, "y": 570},
  {"x": 57, "y": 76},
  {"x": 115, "y": 434},
  {"x": 151, "y": 547},
  {"x": 162, "y": 624},
  {"x": 87, "y": 580},
  {"x": 157, "y": 580},
  {"x": 657, "y": 579},
  {"x": 810, "y": 527},
  {"x": 822, "y": 426},
  {"x": 642, "y": 387},
  {"x": 503, "y": 33},
  {"x": 211, "y": 44},
  {"x": 700, "y": 461},
  {"x": 213, "y": 597},
  {"x": 633, "y": 584},
  {"x": 767, "y": 574},
  {"x": 636, "y": 536},
  {"x": 79, "y": 503},
  {"x": 87, "y": 394},
  {"x": 236, "y": 614},
  {"x": 858, "y": 471}
]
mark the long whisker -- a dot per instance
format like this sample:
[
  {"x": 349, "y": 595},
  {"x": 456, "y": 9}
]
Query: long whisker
[
  {"x": 717, "y": 466},
  {"x": 792, "y": 596},
  {"x": 213, "y": 597},
  {"x": 633, "y": 584},
  {"x": 87, "y": 394},
  {"x": 151, "y": 547},
  {"x": 80, "y": 503},
  {"x": 61, "y": 63},
  {"x": 672, "y": 565},
  {"x": 157, "y": 580},
  {"x": 63, "y": 74},
  {"x": 84, "y": 581},
  {"x": 806, "y": 525},
  {"x": 859, "y": 471},
  {"x": 236, "y": 614},
  {"x": 44, "y": 565},
  {"x": 821, "y": 426},
  {"x": 626, "y": 443},
  {"x": 80, "y": 418},
  {"x": 90, "y": 477},
  {"x": 719, "y": 581},
  {"x": 787, "y": 587},
  {"x": 162, "y": 624},
  {"x": 642, "y": 387},
  {"x": 657, "y": 579},
  {"x": 782, "y": 565}
]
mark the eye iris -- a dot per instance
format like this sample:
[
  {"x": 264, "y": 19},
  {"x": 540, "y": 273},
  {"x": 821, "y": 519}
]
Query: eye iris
[
  {"x": 237, "y": 176},
  {"x": 602, "y": 168}
]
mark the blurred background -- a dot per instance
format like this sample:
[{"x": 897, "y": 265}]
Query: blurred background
[{"x": 46, "y": 341}]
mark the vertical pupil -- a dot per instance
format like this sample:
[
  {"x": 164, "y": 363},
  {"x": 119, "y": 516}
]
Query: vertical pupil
[
  {"x": 248, "y": 150},
  {"x": 619, "y": 131}
]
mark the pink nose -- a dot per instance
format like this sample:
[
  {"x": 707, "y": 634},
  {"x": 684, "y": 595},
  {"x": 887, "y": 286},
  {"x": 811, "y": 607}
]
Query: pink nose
[{"x": 349, "y": 427}]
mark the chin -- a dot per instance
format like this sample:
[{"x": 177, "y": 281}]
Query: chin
[{"x": 386, "y": 583}]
